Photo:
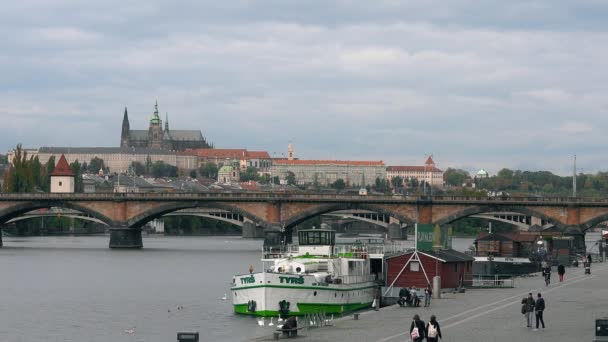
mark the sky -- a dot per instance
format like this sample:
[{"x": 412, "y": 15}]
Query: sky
[{"x": 477, "y": 84}]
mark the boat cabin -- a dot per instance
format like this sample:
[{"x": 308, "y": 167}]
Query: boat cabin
[{"x": 318, "y": 242}]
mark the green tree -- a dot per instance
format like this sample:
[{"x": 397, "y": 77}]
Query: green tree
[
  {"x": 95, "y": 165},
  {"x": 19, "y": 177},
  {"x": 397, "y": 182},
  {"x": 148, "y": 165},
  {"x": 291, "y": 178},
  {"x": 193, "y": 174},
  {"x": 455, "y": 177},
  {"x": 138, "y": 168},
  {"x": 339, "y": 184},
  {"x": 251, "y": 173},
  {"x": 208, "y": 170},
  {"x": 77, "y": 170},
  {"x": 160, "y": 169}
]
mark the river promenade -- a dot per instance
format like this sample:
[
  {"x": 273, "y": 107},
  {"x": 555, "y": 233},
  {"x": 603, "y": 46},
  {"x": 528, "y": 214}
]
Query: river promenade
[{"x": 489, "y": 314}]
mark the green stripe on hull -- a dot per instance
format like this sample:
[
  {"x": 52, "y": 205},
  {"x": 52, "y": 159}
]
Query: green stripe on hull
[
  {"x": 323, "y": 288},
  {"x": 305, "y": 308}
]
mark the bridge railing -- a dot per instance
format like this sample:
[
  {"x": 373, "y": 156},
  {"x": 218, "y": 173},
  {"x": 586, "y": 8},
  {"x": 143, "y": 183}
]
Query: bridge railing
[{"x": 294, "y": 197}]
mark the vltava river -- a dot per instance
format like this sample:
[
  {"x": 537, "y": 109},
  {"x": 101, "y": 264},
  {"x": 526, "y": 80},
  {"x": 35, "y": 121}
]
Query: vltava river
[{"x": 76, "y": 289}]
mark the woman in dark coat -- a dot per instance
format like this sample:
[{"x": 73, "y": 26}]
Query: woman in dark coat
[
  {"x": 560, "y": 271},
  {"x": 418, "y": 323},
  {"x": 433, "y": 331}
]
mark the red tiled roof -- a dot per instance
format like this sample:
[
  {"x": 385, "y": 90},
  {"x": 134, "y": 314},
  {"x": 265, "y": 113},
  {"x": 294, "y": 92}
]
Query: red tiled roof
[
  {"x": 232, "y": 153},
  {"x": 329, "y": 162},
  {"x": 62, "y": 168},
  {"x": 429, "y": 161},
  {"x": 258, "y": 155},
  {"x": 412, "y": 169}
]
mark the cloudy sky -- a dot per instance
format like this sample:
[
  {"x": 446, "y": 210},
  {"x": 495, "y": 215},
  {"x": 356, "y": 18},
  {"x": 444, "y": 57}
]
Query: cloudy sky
[{"x": 494, "y": 83}]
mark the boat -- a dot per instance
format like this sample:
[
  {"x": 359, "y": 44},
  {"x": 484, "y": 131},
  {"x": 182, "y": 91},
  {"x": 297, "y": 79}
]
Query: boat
[{"x": 314, "y": 276}]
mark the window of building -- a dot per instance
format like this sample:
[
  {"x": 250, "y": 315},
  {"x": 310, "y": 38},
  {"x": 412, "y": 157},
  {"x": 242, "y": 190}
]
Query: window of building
[
  {"x": 60, "y": 183},
  {"x": 456, "y": 267},
  {"x": 414, "y": 266}
]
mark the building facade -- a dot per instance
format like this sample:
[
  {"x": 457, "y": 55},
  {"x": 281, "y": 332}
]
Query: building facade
[
  {"x": 428, "y": 173},
  {"x": 326, "y": 172},
  {"x": 259, "y": 159},
  {"x": 115, "y": 158},
  {"x": 157, "y": 137}
]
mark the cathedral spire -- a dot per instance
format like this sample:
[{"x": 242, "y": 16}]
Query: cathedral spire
[
  {"x": 124, "y": 135},
  {"x": 166, "y": 121}
]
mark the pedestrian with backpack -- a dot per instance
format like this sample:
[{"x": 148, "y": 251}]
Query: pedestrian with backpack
[
  {"x": 527, "y": 309},
  {"x": 539, "y": 306},
  {"x": 433, "y": 332},
  {"x": 417, "y": 329}
]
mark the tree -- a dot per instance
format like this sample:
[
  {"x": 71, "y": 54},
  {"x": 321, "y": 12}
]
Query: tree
[
  {"x": 208, "y": 170},
  {"x": 413, "y": 182},
  {"x": 291, "y": 178},
  {"x": 77, "y": 170},
  {"x": 193, "y": 174},
  {"x": 251, "y": 173},
  {"x": 455, "y": 177},
  {"x": 160, "y": 169},
  {"x": 19, "y": 177},
  {"x": 339, "y": 184},
  {"x": 138, "y": 168},
  {"x": 95, "y": 165},
  {"x": 148, "y": 164},
  {"x": 397, "y": 182},
  {"x": 315, "y": 181}
]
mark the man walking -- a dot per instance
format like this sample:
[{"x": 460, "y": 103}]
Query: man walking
[
  {"x": 528, "y": 309},
  {"x": 539, "y": 307}
]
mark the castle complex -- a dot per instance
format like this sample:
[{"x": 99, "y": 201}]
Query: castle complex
[{"x": 157, "y": 137}]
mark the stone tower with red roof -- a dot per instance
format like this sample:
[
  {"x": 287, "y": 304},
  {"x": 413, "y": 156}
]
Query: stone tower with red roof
[{"x": 62, "y": 178}]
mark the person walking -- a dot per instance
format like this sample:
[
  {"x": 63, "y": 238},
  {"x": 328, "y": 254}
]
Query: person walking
[
  {"x": 428, "y": 292},
  {"x": 417, "y": 329},
  {"x": 560, "y": 271},
  {"x": 528, "y": 309},
  {"x": 433, "y": 331},
  {"x": 539, "y": 306}
]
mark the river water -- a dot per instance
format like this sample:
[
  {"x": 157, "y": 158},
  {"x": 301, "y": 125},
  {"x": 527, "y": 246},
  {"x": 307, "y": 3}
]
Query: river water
[{"x": 76, "y": 289}]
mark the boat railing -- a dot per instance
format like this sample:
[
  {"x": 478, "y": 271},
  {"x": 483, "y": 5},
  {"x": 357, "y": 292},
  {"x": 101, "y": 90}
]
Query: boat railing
[
  {"x": 353, "y": 279},
  {"x": 355, "y": 250},
  {"x": 490, "y": 281}
]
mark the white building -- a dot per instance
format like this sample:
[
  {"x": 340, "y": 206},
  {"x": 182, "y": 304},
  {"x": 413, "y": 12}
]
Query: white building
[
  {"x": 62, "y": 177},
  {"x": 428, "y": 173}
]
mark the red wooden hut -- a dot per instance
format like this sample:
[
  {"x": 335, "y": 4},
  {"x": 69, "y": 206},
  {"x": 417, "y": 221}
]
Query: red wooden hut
[{"x": 417, "y": 269}]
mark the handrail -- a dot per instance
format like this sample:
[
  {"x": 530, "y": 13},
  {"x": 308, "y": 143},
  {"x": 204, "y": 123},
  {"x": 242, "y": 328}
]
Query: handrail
[{"x": 283, "y": 196}]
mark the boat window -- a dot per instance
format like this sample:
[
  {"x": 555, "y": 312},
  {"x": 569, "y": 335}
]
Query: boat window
[
  {"x": 414, "y": 266},
  {"x": 315, "y": 293}
]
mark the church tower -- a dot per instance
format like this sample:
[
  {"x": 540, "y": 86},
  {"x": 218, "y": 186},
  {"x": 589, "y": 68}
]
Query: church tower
[
  {"x": 155, "y": 132},
  {"x": 124, "y": 135},
  {"x": 290, "y": 154}
]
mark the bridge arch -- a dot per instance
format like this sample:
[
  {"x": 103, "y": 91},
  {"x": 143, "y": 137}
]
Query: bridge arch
[
  {"x": 22, "y": 208},
  {"x": 157, "y": 212},
  {"x": 592, "y": 223},
  {"x": 328, "y": 208},
  {"x": 475, "y": 210}
]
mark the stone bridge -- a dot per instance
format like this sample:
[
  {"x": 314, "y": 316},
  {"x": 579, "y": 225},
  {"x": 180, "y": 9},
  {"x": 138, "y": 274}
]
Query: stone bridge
[{"x": 126, "y": 213}]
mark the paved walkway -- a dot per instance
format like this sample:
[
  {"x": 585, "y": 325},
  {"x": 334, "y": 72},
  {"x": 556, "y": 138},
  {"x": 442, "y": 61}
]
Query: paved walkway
[{"x": 489, "y": 314}]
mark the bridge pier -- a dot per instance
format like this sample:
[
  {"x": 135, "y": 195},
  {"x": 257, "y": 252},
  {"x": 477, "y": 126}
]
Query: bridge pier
[
  {"x": 252, "y": 231},
  {"x": 125, "y": 238},
  {"x": 395, "y": 232}
]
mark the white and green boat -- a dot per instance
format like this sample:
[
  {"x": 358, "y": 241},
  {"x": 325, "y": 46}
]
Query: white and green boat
[{"x": 314, "y": 276}]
